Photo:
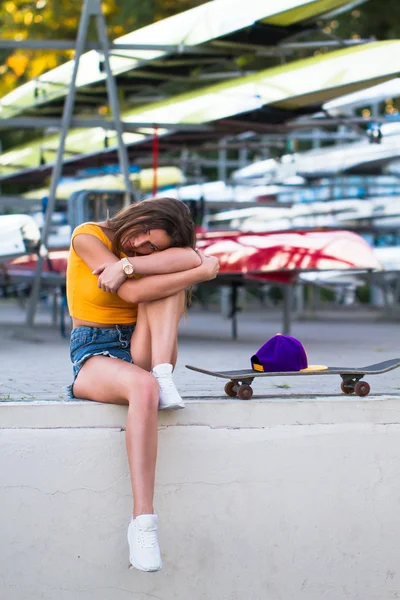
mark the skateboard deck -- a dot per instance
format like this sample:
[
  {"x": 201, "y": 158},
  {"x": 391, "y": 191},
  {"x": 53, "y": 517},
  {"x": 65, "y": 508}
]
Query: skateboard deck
[{"x": 240, "y": 381}]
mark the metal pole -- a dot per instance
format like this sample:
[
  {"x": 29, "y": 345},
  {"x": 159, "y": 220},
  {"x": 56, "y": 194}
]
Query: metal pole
[
  {"x": 114, "y": 47},
  {"x": 155, "y": 161},
  {"x": 113, "y": 99},
  {"x": 234, "y": 309},
  {"x": 57, "y": 169},
  {"x": 287, "y": 307},
  {"x": 243, "y": 158},
  {"x": 42, "y": 122},
  {"x": 222, "y": 158}
]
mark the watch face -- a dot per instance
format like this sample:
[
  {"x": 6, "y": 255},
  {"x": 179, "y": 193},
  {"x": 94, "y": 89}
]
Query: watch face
[{"x": 128, "y": 269}]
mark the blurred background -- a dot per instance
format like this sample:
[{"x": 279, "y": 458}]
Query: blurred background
[{"x": 276, "y": 122}]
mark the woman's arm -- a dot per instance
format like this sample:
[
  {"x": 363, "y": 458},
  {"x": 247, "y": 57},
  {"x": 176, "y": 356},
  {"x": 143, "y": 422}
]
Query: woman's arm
[
  {"x": 92, "y": 251},
  {"x": 171, "y": 260},
  {"x": 155, "y": 287},
  {"x": 95, "y": 254},
  {"x": 108, "y": 267}
]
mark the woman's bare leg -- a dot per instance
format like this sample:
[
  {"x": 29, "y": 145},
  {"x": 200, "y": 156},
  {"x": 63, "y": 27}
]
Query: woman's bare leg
[
  {"x": 141, "y": 340},
  {"x": 111, "y": 380},
  {"x": 154, "y": 340}
]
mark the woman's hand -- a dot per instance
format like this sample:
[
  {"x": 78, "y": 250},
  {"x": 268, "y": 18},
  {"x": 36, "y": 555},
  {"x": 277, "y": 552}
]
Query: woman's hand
[
  {"x": 209, "y": 265},
  {"x": 110, "y": 276}
]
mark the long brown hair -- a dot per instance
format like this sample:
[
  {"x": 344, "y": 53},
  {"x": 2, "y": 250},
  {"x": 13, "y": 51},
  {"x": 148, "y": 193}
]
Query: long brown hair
[{"x": 169, "y": 214}]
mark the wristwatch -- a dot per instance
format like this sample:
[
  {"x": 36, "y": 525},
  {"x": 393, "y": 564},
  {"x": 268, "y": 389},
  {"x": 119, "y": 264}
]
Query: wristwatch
[{"x": 128, "y": 268}]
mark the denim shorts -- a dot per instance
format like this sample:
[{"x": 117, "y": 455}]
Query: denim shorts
[{"x": 86, "y": 342}]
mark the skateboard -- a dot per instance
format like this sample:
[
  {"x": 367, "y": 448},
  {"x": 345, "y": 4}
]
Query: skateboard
[{"x": 239, "y": 384}]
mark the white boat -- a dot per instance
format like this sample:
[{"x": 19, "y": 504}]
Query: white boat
[{"x": 19, "y": 235}]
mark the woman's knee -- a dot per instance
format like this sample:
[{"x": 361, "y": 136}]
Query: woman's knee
[
  {"x": 177, "y": 301},
  {"x": 144, "y": 390}
]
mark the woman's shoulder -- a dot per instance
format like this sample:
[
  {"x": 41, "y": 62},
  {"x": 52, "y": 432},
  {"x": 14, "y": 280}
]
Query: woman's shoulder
[{"x": 91, "y": 229}]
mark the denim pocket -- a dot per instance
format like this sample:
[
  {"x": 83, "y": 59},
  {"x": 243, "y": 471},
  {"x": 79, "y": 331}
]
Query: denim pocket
[{"x": 79, "y": 337}]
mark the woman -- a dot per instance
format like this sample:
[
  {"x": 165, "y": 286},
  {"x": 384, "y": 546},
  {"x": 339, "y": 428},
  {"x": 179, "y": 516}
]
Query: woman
[{"x": 126, "y": 287}]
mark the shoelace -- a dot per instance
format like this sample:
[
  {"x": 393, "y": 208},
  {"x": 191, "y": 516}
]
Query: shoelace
[{"x": 147, "y": 538}]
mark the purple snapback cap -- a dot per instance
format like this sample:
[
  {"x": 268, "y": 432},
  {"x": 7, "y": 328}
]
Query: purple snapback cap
[{"x": 281, "y": 353}]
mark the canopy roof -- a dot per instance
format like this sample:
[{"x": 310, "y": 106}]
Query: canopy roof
[
  {"x": 214, "y": 31},
  {"x": 245, "y": 104}
]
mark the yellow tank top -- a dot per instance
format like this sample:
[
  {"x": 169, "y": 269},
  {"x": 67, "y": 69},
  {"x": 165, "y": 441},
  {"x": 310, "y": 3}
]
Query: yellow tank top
[{"x": 85, "y": 300}]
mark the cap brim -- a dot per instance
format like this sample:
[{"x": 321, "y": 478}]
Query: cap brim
[{"x": 313, "y": 368}]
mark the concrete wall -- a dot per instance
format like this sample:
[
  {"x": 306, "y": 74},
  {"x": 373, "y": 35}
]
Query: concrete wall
[{"x": 257, "y": 501}]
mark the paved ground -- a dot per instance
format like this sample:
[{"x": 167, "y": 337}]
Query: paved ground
[{"x": 34, "y": 363}]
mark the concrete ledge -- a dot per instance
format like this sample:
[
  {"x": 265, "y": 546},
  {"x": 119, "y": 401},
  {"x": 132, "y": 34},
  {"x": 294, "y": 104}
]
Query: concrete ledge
[
  {"x": 211, "y": 413},
  {"x": 257, "y": 500}
]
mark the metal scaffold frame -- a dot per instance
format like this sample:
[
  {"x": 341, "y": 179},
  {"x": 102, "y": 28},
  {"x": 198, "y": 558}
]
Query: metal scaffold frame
[{"x": 91, "y": 9}]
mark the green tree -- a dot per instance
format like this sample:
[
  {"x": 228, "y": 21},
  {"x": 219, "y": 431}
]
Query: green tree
[
  {"x": 373, "y": 19},
  {"x": 58, "y": 19}
]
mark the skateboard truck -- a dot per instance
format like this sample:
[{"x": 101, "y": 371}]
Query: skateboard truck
[
  {"x": 240, "y": 388},
  {"x": 351, "y": 384}
]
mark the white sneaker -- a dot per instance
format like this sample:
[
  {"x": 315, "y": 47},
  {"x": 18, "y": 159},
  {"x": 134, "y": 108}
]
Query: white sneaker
[
  {"x": 144, "y": 552},
  {"x": 169, "y": 395}
]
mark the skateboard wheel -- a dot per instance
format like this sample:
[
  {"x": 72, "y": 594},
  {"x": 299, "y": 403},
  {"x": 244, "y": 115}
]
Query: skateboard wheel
[
  {"x": 230, "y": 389},
  {"x": 362, "y": 388},
  {"x": 346, "y": 389},
  {"x": 245, "y": 392}
]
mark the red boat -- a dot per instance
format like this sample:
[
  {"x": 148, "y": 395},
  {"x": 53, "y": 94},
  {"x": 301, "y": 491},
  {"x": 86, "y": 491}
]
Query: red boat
[
  {"x": 274, "y": 256},
  {"x": 282, "y": 256}
]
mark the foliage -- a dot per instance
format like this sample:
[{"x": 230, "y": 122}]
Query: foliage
[
  {"x": 373, "y": 19},
  {"x": 58, "y": 19}
]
